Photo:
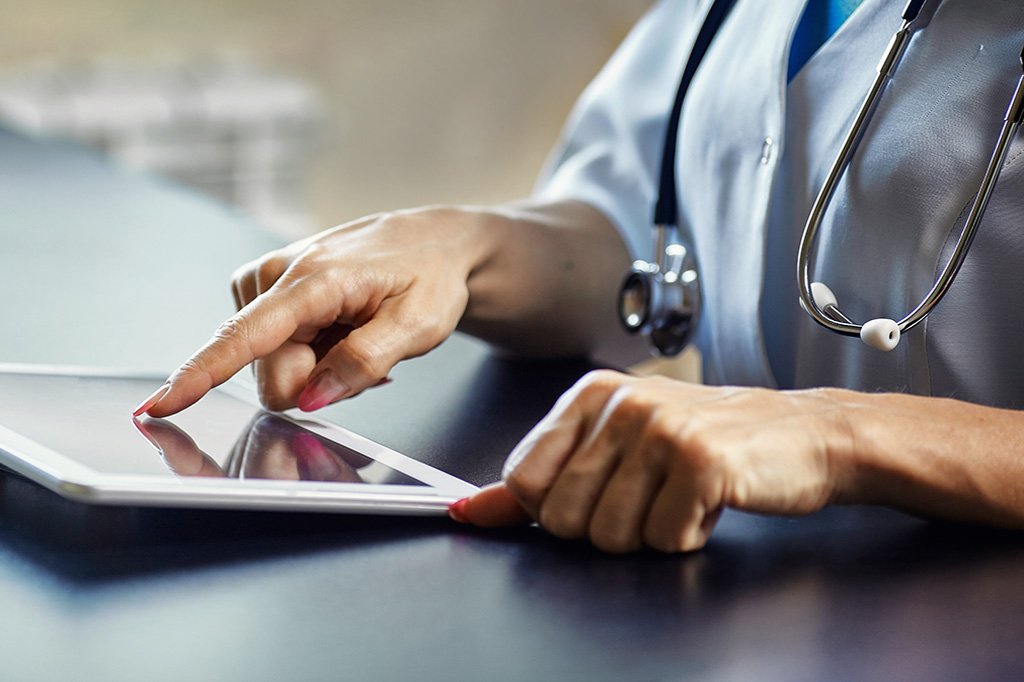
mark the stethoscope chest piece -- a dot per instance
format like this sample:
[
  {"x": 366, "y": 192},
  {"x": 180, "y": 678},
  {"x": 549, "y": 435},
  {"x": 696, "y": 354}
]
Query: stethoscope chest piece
[{"x": 661, "y": 301}]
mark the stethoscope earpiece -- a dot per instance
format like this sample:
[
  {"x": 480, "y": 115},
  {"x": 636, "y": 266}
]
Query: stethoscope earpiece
[
  {"x": 823, "y": 296},
  {"x": 815, "y": 298},
  {"x": 881, "y": 333},
  {"x": 661, "y": 299}
]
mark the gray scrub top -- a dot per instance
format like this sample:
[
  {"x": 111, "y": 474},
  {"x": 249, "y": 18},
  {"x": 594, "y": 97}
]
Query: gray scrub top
[{"x": 752, "y": 153}]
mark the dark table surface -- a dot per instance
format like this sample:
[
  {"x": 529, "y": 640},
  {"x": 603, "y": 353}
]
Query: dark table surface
[{"x": 103, "y": 267}]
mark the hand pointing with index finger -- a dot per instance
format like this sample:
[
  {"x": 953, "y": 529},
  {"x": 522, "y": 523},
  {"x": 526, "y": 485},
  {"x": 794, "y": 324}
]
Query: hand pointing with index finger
[{"x": 328, "y": 317}]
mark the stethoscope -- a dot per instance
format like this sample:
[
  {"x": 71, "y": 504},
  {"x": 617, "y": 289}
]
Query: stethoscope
[{"x": 661, "y": 299}]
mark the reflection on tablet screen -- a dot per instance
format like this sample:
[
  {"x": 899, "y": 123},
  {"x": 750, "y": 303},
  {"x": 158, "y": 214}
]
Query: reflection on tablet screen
[
  {"x": 87, "y": 419},
  {"x": 270, "y": 447}
]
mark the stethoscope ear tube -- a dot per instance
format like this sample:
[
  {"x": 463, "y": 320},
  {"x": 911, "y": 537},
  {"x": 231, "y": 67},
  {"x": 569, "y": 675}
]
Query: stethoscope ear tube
[
  {"x": 837, "y": 322},
  {"x": 661, "y": 299},
  {"x": 883, "y": 333},
  {"x": 912, "y": 9}
]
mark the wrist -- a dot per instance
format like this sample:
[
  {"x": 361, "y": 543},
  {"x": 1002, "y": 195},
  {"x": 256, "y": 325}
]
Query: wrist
[
  {"x": 465, "y": 232},
  {"x": 508, "y": 247},
  {"x": 892, "y": 447},
  {"x": 854, "y": 460},
  {"x": 542, "y": 277},
  {"x": 480, "y": 232}
]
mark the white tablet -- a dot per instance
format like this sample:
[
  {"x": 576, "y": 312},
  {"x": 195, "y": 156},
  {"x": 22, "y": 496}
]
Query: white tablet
[{"x": 71, "y": 430}]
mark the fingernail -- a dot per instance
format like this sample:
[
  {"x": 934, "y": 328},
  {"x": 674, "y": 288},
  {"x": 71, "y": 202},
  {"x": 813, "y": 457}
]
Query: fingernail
[
  {"x": 457, "y": 510},
  {"x": 152, "y": 400},
  {"x": 323, "y": 390}
]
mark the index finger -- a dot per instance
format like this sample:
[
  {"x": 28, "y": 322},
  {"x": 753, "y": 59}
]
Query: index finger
[{"x": 254, "y": 332}]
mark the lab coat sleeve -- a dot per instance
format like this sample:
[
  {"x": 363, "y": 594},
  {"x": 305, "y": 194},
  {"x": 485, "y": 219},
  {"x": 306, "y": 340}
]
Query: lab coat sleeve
[{"x": 611, "y": 146}]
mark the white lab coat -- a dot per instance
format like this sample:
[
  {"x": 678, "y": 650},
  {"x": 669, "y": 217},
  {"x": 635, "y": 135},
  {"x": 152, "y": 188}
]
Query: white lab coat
[{"x": 752, "y": 153}]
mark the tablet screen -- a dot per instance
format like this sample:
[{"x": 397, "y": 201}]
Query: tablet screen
[{"x": 88, "y": 419}]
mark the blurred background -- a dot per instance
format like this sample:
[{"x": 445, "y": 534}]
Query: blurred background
[
  {"x": 311, "y": 112},
  {"x": 308, "y": 113}
]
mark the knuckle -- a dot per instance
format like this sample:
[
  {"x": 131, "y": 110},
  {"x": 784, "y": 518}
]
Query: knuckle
[
  {"x": 689, "y": 441},
  {"x": 630, "y": 407},
  {"x": 526, "y": 486},
  {"x": 196, "y": 367},
  {"x": 436, "y": 329},
  {"x": 561, "y": 522},
  {"x": 701, "y": 455},
  {"x": 613, "y": 540},
  {"x": 424, "y": 325},
  {"x": 366, "y": 359},
  {"x": 601, "y": 379},
  {"x": 230, "y": 342},
  {"x": 268, "y": 270},
  {"x": 231, "y": 329},
  {"x": 580, "y": 470},
  {"x": 595, "y": 386},
  {"x": 691, "y": 540},
  {"x": 315, "y": 257},
  {"x": 664, "y": 430},
  {"x": 312, "y": 252},
  {"x": 663, "y": 542},
  {"x": 313, "y": 289},
  {"x": 244, "y": 271}
]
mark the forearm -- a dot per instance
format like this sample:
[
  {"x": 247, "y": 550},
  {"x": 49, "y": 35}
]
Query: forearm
[
  {"x": 935, "y": 457},
  {"x": 548, "y": 282}
]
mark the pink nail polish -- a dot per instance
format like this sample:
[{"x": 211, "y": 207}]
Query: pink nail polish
[
  {"x": 312, "y": 459},
  {"x": 457, "y": 511},
  {"x": 323, "y": 390},
  {"x": 152, "y": 400}
]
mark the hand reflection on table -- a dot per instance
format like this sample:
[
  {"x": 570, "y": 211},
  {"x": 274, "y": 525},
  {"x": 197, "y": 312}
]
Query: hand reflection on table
[{"x": 270, "y": 447}]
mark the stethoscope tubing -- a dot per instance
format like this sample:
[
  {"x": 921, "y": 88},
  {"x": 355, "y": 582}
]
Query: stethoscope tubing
[
  {"x": 661, "y": 299},
  {"x": 833, "y": 319},
  {"x": 956, "y": 260},
  {"x": 830, "y": 316}
]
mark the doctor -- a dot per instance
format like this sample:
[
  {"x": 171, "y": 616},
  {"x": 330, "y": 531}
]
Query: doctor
[{"x": 794, "y": 417}]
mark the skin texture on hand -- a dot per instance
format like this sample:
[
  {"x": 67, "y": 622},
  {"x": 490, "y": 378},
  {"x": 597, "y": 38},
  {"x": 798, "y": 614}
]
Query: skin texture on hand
[
  {"x": 328, "y": 317},
  {"x": 625, "y": 462},
  {"x": 332, "y": 314},
  {"x": 629, "y": 462}
]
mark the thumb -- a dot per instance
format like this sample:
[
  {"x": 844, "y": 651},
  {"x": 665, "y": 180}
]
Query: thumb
[{"x": 493, "y": 506}]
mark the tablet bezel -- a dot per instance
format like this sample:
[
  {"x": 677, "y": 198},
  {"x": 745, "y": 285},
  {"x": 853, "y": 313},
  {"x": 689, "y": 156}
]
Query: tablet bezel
[{"x": 69, "y": 478}]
